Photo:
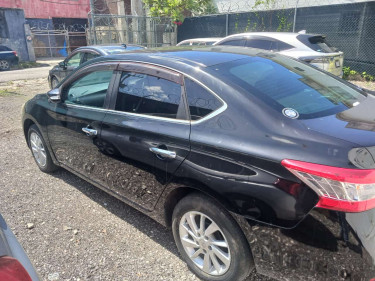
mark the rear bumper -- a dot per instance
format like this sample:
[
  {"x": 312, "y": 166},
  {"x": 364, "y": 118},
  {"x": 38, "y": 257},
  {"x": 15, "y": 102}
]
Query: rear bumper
[
  {"x": 14, "y": 60},
  {"x": 324, "y": 246}
]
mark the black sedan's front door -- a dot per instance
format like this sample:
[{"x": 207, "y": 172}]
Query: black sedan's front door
[
  {"x": 145, "y": 138},
  {"x": 75, "y": 123}
]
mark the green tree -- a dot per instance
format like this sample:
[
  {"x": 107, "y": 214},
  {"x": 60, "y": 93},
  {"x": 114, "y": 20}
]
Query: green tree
[{"x": 178, "y": 10}]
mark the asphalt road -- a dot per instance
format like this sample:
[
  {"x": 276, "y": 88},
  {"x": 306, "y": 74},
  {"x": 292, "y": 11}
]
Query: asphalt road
[
  {"x": 29, "y": 73},
  {"x": 79, "y": 232},
  {"x": 22, "y": 74}
]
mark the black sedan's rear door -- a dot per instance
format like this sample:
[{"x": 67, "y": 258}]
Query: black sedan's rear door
[{"x": 145, "y": 137}]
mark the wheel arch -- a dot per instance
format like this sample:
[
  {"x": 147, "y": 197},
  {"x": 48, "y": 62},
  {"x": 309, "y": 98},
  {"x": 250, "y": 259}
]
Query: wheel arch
[
  {"x": 178, "y": 192},
  {"x": 27, "y": 123}
]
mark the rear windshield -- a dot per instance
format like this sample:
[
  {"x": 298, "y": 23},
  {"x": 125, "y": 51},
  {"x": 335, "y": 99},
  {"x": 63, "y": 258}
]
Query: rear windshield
[
  {"x": 285, "y": 84},
  {"x": 317, "y": 43}
]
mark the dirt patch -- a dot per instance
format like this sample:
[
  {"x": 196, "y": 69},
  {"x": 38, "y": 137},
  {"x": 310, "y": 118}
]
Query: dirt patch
[{"x": 364, "y": 84}]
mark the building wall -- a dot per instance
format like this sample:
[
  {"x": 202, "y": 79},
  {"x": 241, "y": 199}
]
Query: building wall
[
  {"x": 45, "y": 9},
  {"x": 12, "y": 31}
]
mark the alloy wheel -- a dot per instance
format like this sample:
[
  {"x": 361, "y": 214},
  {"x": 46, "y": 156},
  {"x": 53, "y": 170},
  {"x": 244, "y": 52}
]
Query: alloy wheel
[
  {"x": 38, "y": 149},
  {"x": 4, "y": 65},
  {"x": 204, "y": 243}
]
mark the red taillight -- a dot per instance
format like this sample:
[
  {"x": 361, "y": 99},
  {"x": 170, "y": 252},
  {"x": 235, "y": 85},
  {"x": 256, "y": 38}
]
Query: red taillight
[
  {"x": 341, "y": 189},
  {"x": 12, "y": 270},
  {"x": 14, "y": 52}
]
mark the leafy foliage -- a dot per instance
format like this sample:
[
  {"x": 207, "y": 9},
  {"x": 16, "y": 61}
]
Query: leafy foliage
[
  {"x": 350, "y": 74},
  {"x": 179, "y": 9}
]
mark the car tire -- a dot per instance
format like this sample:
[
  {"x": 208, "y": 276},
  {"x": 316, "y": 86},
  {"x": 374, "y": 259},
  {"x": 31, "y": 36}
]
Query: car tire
[
  {"x": 54, "y": 82},
  {"x": 40, "y": 151},
  {"x": 200, "y": 247},
  {"x": 4, "y": 65}
]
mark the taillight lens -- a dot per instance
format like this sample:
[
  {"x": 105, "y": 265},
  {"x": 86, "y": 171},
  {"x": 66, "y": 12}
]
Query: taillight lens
[
  {"x": 341, "y": 189},
  {"x": 12, "y": 270},
  {"x": 15, "y": 53}
]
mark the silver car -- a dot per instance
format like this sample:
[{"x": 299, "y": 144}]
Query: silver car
[
  {"x": 14, "y": 263},
  {"x": 311, "y": 48},
  {"x": 199, "y": 41}
]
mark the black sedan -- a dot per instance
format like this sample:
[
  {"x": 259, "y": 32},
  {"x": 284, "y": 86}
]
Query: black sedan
[
  {"x": 82, "y": 55},
  {"x": 8, "y": 57},
  {"x": 255, "y": 160}
]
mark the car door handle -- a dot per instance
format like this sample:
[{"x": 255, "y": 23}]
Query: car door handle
[
  {"x": 89, "y": 132},
  {"x": 163, "y": 153}
]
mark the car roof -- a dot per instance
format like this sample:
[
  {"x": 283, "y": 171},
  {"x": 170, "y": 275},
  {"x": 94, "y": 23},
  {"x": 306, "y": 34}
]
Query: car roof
[
  {"x": 203, "y": 39},
  {"x": 276, "y": 35},
  {"x": 178, "y": 57},
  {"x": 101, "y": 48}
]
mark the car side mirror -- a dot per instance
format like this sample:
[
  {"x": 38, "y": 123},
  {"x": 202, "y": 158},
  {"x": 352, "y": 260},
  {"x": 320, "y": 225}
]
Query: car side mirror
[
  {"x": 54, "y": 95},
  {"x": 62, "y": 64}
]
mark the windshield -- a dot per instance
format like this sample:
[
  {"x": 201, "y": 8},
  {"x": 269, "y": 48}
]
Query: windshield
[{"x": 285, "y": 84}]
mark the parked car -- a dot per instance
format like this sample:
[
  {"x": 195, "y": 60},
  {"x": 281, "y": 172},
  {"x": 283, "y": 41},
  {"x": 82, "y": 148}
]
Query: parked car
[
  {"x": 199, "y": 41},
  {"x": 82, "y": 55},
  {"x": 14, "y": 263},
  {"x": 254, "y": 159},
  {"x": 311, "y": 48},
  {"x": 8, "y": 57}
]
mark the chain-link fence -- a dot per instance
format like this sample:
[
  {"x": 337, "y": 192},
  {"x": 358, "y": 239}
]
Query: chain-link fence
[
  {"x": 349, "y": 26},
  {"x": 146, "y": 31}
]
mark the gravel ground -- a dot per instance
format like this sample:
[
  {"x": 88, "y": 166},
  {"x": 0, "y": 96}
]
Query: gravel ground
[
  {"x": 77, "y": 231},
  {"x": 80, "y": 232}
]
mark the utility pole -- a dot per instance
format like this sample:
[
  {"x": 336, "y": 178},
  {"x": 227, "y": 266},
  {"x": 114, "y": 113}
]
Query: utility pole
[{"x": 92, "y": 8}]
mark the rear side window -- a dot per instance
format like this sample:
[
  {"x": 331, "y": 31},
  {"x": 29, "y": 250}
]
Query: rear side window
[
  {"x": 316, "y": 43},
  {"x": 238, "y": 42},
  {"x": 284, "y": 84},
  {"x": 279, "y": 46},
  {"x": 259, "y": 44},
  {"x": 201, "y": 101},
  {"x": 150, "y": 95}
]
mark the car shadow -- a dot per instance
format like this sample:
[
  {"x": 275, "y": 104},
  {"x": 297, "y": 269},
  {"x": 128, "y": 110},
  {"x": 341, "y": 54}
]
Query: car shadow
[
  {"x": 154, "y": 230},
  {"x": 142, "y": 222}
]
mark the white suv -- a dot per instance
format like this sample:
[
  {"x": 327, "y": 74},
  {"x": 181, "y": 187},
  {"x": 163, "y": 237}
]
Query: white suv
[{"x": 311, "y": 48}]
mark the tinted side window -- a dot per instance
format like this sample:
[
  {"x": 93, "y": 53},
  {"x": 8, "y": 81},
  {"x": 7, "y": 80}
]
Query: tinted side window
[
  {"x": 281, "y": 46},
  {"x": 238, "y": 42},
  {"x": 89, "y": 90},
  {"x": 278, "y": 46},
  {"x": 201, "y": 101},
  {"x": 89, "y": 56},
  {"x": 146, "y": 94},
  {"x": 4, "y": 49},
  {"x": 259, "y": 44},
  {"x": 74, "y": 60}
]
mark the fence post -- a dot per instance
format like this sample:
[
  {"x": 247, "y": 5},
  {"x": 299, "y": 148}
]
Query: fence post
[
  {"x": 295, "y": 16},
  {"x": 49, "y": 43},
  {"x": 92, "y": 7},
  {"x": 226, "y": 24}
]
